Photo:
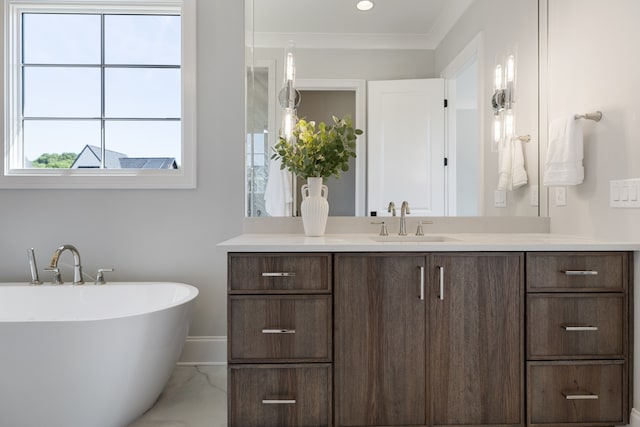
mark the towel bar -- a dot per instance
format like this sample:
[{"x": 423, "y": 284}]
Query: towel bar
[{"x": 596, "y": 116}]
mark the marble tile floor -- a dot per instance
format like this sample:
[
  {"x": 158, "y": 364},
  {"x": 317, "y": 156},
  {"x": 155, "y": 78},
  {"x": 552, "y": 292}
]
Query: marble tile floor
[{"x": 195, "y": 396}]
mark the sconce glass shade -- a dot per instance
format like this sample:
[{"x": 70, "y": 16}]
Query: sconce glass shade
[
  {"x": 510, "y": 74},
  {"x": 509, "y": 124},
  {"x": 289, "y": 97},
  {"x": 497, "y": 85},
  {"x": 288, "y": 121},
  {"x": 289, "y": 67},
  {"x": 497, "y": 132}
]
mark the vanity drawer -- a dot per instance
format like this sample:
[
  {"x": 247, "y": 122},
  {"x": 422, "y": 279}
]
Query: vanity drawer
[
  {"x": 279, "y": 273},
  {"x": 577, "y": 392},
  {"x": 576, "y": 271},
  {"x": 280, "y": 328},
  {"x": 280, "y": 395},
  {"x": 576, "y": 325}
]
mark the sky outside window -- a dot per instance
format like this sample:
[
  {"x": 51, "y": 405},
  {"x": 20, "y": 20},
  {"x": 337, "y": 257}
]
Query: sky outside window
[{"x": 63, "y": 80}]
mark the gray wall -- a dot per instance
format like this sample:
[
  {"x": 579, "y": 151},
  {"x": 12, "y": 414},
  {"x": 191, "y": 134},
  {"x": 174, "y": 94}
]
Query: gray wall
[
  {"x": 320, "y": 106},
  {"x": 155, "y": 234},
  {"x": 603, "y": 77}
]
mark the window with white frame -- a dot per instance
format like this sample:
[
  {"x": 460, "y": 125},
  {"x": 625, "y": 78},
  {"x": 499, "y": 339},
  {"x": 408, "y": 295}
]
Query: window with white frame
[{"x": 99, "y": 94}]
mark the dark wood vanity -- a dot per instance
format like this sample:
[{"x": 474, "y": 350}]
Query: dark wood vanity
[{"x": 429, "y": 339}]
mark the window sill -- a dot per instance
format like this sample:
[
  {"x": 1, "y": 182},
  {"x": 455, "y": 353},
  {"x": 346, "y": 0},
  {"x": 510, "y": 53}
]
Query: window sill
[{"x": 98, "y": 179}]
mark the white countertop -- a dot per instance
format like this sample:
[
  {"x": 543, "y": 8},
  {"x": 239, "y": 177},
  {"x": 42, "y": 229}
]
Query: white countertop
[{"x": 456, "y": 242}]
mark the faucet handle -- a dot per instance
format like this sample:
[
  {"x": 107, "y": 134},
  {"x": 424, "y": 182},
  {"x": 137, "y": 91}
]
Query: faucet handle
[
  {"x": 100, "y": 275},
  {"x": 383, "y": 229},
  {"x": 420, "y": 230},
  {"x": 57, "y": 279}
]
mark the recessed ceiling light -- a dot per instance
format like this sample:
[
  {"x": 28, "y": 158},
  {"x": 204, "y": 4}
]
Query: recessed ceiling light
[{"x": 364, "y": 5}]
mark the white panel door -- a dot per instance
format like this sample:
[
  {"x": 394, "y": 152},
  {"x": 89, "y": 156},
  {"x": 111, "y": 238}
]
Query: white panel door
[{"x": 406, "y": 145}]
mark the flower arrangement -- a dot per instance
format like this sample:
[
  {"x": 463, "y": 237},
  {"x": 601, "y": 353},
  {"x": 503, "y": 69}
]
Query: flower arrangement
[{"x": 318, "y": 151}]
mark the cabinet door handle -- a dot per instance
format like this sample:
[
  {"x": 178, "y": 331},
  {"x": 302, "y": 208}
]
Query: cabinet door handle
[
  {"x": 278, "y": 331},
  {"x": 278, "y": 401},
  {"x": 441, "y": 295},
  {"x": 278, "y": 274},
  {"x": 580, "y": 272},
  {"x": 421, "y": 283},
  {"x": 579, "y": 328},
  {"x": 579, "y": 396}
]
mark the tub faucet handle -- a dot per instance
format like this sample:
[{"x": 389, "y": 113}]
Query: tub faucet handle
[
  {"x": 100, "y": 276},
  {"x": 35, "y": 279},
  {"x": 57, "y": 279}
]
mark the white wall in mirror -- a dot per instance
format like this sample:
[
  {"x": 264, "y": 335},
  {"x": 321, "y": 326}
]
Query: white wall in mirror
[{"x": 505, "y": 25}]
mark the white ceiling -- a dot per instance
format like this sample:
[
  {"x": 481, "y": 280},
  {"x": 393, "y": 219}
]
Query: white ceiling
[{"x": 407, "y": 24}]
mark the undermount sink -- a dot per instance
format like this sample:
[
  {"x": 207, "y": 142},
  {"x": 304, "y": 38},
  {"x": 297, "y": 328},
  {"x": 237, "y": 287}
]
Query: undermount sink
[{"x": 412, "y": 239}]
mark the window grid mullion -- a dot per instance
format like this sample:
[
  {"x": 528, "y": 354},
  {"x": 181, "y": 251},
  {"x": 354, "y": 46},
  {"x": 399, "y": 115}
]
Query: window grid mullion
[
  {"x": 103, "y": 67},
  {"x": 103, "y": 148}
]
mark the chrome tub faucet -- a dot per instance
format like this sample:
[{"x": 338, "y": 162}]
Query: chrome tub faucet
[{"x": 77, "y": 267}]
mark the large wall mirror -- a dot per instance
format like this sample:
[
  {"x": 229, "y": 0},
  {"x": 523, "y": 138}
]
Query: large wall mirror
[{"x": 391, "y": 69}]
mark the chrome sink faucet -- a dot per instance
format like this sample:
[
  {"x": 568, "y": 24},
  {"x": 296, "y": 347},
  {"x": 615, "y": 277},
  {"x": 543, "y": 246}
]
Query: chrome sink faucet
[
  {"x": 404, "y": 210},
  {"x": 77, "y": 267}
]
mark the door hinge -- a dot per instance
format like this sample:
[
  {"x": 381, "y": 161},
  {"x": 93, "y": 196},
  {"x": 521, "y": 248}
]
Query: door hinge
[
  {"x": 446, "y": 103},
  {"x": 446, "y": 161}
]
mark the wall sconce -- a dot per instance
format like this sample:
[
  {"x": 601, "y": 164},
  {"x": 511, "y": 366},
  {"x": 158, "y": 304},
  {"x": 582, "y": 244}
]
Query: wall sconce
[
  {"x": 503, "y": 101},
  {"x": 289, "y": 97}
]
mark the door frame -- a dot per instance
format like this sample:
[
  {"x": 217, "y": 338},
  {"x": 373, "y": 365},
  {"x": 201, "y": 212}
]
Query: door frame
[
  {"x": 359, "y": 121},
  {"x": 474, "y": 50}
]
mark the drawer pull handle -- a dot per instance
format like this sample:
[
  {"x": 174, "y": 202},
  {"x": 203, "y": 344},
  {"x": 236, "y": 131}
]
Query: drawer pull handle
[
  {"x": 421, "y": 283},
  {"x": 580, "y": 273},
  {"x": 278, "y": 401},
  {"x": 278, "y": 274},
  {"x": 579, "y": 328},
  {"x": 278, "y": 331},
  {"x": 441, "y": 295},
  {"x": 577, "y": 396}
]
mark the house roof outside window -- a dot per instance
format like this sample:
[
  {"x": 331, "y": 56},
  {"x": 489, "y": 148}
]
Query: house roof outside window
[{"x": 90, "y": 157}]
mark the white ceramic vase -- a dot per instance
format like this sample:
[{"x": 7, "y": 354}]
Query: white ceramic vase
[{"x": 314, "y": 207}]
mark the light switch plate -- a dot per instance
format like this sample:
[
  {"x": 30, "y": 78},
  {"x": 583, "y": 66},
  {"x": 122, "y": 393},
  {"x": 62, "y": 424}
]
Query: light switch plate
[
  {"x": 624, "y": 193},
  {"x": 534, "y": 195},
  {"x": 500, "y": 199},
  {"x": 561, "y": 196}
]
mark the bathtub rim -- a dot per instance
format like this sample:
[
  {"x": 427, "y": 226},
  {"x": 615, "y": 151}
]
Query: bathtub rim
[{"x": 193, "y": 293}]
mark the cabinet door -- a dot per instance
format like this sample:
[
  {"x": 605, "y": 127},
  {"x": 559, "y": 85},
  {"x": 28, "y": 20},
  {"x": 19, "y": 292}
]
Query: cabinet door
[
  {"x": 380, "y": 337},
  {"x": 476, "y": 350}
]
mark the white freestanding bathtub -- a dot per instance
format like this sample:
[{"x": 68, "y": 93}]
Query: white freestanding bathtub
[{"x": 88, "y": 356}]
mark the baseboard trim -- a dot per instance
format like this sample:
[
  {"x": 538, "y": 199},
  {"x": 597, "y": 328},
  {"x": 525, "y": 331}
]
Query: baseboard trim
[
  {"x": 200, "y": 350},
  {"x": 634, "y": 419}
]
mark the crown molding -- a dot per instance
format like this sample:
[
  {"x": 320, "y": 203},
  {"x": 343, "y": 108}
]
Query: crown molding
[{"x": 345, "y": 41}]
